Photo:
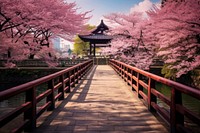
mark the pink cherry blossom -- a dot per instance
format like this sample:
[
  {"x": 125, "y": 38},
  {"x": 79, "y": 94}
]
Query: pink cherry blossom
[{"x": 28, "y": 26}]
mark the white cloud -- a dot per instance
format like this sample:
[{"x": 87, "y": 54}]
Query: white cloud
[{"x": 144, "y": 6}]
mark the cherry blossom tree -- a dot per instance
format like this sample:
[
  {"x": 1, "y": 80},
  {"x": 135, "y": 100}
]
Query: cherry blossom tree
[
  {"x": 31, "y": 24},
  {"x": 81, "y": 47},
  {"x": 129, "y": 44},
  {"x": 171, "y": 33},
  {"x": 176, "y": 29}
]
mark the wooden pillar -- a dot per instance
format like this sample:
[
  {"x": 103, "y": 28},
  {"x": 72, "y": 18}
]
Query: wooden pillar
[
  {"x": 51, "y": 97},
  {"x": 90, "y": 49},
  {"x": 30, "y": 114},
  {"x": 94, "y": 51},
  {"x": 175, "y": 116}
]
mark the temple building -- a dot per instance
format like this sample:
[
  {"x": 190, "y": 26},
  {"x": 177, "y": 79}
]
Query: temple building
[{"x": 97, "y": 38}]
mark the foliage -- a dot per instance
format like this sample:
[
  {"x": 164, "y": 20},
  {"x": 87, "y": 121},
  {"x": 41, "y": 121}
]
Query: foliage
[
  {"x": 176, "y": 29},
  {"x": 129, "y": 44},
  {"x": 196, "y": 78},
  {"x": 81, "y": 47},
  {"x": 169, "y": 73},
  {"x": 28, "y": 26},
  {"x": 171, "y": 33}
]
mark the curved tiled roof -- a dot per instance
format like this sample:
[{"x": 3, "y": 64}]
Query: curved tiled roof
[
  {"x": 97, "y": 36},
  {"x": 100, "y": 28}
]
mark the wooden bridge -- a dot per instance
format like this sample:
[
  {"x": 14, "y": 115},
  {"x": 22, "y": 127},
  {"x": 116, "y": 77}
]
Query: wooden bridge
[{"x": 99, "y": 101}]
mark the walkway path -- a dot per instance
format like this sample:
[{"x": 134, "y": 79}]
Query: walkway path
[{"x": 102, "y": 103}]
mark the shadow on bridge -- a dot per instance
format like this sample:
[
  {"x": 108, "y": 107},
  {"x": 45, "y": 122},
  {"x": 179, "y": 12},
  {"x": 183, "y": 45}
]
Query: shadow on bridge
[{"x": 101, "y": 102}]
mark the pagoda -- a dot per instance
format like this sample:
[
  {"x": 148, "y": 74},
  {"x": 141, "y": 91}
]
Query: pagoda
[{"x": 97, "y": 38}]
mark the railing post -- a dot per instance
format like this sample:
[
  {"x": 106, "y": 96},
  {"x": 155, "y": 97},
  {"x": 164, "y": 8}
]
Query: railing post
[
  {"x": 79, "y": 72},
  {"x": 61, "y": 89},
  {"x": 30, "y": 114},
  {"x": 125, "y": 73},
  {"x": 69, "y": 82},
  {"x": 82, "y": 70},
  {"x": 121, "y": 66},
  {"x": 85, "y": 68},
  {"x": 76, "y": 77},
  {"x": 73, "y": 79},
  {"x": 120, "y": 71},
  {"x": 118, "y": 68},
  {"x": 128, "y": 76},
  {"x": 139, "y": 87},
  {"x": 151, "y": 97},
  {"x": 175, "y": 116},
  {"x": 88, "y": 67},
  {"x": 51, "y": 96},
  {"x": 132, "y": 81}
]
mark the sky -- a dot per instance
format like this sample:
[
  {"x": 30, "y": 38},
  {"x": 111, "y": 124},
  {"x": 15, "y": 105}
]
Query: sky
[{"x": 99, "y": 8}]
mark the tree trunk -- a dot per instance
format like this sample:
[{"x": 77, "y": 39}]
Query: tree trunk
[
  {"x": 31, "y": 56},
  {"x": 9, "y": 54}
]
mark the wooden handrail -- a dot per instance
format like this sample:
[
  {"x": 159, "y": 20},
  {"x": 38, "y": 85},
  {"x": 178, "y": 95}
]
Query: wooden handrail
[
  {"x": 177, "y": 111},
  {"x": 67, "y": 78},
  {"x": 42, "y": 63}
]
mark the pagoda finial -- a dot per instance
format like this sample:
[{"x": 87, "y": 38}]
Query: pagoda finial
[{"x": 100, "y": 28}]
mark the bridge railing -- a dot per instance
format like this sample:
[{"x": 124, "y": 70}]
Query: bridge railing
[
  {"x": 56, "y": 85},
  {"x": 43, "y": 63},
  {"x": 141, "y": 80}
]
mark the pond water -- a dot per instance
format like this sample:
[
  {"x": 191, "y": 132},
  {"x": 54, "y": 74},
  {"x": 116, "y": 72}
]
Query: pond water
[{"x": 189, "y": 102}]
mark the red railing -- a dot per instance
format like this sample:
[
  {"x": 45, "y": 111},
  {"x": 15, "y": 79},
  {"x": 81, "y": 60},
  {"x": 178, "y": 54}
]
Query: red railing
[
  {"x": 57, "y": 84},
  {"x": 140, "y": 80}
]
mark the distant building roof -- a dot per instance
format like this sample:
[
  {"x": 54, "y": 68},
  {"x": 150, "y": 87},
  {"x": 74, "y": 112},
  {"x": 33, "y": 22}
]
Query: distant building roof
[
  {"x": 100, "y": 28},
  {"x": 97, "y": 36}
]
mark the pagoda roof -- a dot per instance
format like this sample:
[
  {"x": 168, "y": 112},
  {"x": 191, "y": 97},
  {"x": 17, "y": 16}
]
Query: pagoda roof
[
  {"x": 100, "y": 28},
  {"x": 96, "y": 38}
]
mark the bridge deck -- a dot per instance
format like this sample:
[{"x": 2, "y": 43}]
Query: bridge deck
[{"x": 102, "y": 103}]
